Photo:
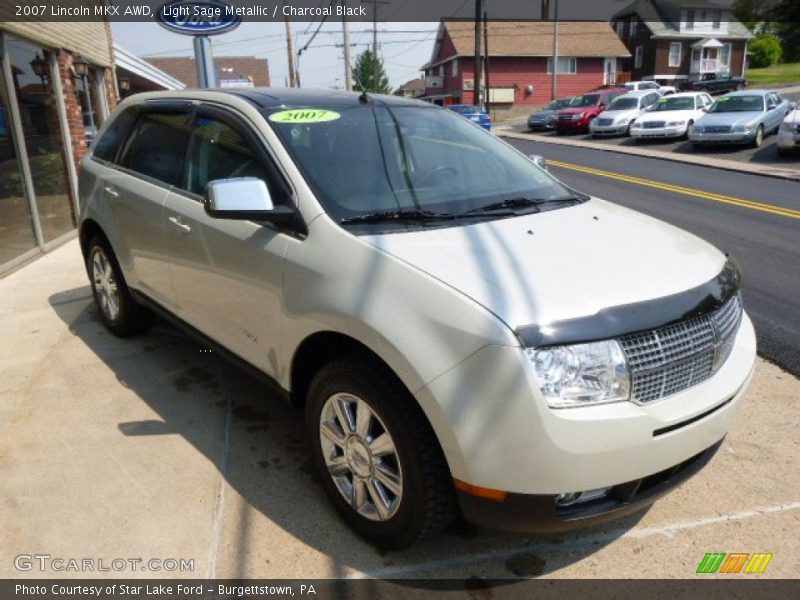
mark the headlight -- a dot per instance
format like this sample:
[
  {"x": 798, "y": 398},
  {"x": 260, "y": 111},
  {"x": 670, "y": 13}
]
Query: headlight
[
  {"x": 787, "y": 127},
  {"x": 578, "y": 117},
  {"x": 696, "y": 129},
  {"x": 676, "y": 123},
  {"x": 636, "y": 125},
  {"x": 743, "y": 128},
  {"x": 581, "y": 374}
]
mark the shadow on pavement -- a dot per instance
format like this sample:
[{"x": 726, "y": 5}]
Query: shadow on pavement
[{"x": 197, "y": 395}]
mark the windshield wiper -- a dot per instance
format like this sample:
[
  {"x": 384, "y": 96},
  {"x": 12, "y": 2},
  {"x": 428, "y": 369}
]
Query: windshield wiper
[
  {"x": 399, "y": 215},
  {"x": 512, "y": 203}
]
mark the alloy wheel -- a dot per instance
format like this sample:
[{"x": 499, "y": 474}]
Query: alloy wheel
[
  {"x": 105, "y": 284},
  {"x": 361, "y": 457}
]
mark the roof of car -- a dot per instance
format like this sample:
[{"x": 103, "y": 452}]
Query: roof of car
[
  {"x": 749, "y": 93},
  {"x": 637, "y": 93},
  {"x": 265, "y": 97}
]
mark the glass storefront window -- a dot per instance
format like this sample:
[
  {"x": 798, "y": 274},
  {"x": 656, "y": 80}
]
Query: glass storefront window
[
  {"x": 32, "y": 80},
  {"x": 16, "y": 224},
  {"x": 90, "y": 109}
]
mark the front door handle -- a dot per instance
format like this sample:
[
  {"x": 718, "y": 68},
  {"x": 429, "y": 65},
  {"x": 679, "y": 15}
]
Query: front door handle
[
  {"x": 178, "y": 224},
  {"x": 110, "y": 191}
]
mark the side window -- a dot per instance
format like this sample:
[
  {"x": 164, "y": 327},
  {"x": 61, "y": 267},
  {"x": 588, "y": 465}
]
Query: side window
[
  {"x": 219, "y": 151},
  {"x": 157, "y": 146},
  {"x": 107, "y": 147}
]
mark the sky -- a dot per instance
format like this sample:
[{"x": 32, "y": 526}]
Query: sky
[{"x": 404, "y": 47}]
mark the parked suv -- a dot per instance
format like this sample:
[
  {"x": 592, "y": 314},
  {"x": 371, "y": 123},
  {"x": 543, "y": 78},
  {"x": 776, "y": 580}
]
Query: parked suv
[
  {"x": 581, "y": 110},
  {"x": 463, "y": 331}
]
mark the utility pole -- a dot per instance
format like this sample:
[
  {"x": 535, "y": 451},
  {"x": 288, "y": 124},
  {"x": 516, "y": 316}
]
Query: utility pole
[
  {"x": 554, "y": 79},
  {"x": 348, "y": 76},
  {"x": 478, "y": 96},
  {"x": 374, "y": 37},
  {"x": 486, "y": 58},
  {"x": 290, "y": 53}
]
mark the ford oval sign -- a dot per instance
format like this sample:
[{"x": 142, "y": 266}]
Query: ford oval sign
[{"x": 198, "y": 17}]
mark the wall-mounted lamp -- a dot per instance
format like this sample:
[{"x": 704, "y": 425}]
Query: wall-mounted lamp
[
  {"x": 80, "y": 66},
  {"x": 124, "y": 84}
]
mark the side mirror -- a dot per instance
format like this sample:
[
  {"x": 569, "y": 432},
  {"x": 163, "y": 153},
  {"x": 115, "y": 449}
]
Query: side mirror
[
  {"x": 245, "y": 198},
  {"x": 539, "y": 161}
]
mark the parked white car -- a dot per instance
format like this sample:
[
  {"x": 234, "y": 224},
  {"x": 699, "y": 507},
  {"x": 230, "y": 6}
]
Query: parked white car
[
  {"x": 639, "y": 86},
  {"x": 622, "y": 112},
  {"x": 464, "y": 332},
  {"x": 789, "y": 133},
  {"x": 671, "y": 117}
]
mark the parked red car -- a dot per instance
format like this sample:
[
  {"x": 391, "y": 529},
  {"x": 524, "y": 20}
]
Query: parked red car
[{"x": 582, "y": 109}]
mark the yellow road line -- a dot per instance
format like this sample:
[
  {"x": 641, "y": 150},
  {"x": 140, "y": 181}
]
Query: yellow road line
[{"x": 678, "y": 189}]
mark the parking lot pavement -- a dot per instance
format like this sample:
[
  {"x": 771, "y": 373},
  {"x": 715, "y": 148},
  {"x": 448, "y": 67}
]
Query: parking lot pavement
[
  {"x": 766, "y": 157},
  {"x": 153, "y": 448}
]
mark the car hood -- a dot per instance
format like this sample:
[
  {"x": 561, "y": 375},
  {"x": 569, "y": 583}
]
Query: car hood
[
  {"x": 617, "y": 114},
  {"x": 666, "y": 115},
  {"x": 732, "y": 119},
  {"x": 559, "y": 264},
  {"x": 575, "y": 111},
  {"x": 793, "y": 117}
]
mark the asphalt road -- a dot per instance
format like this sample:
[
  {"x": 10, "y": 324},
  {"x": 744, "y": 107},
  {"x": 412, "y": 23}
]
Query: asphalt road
[{"x": 755, "y": 219}]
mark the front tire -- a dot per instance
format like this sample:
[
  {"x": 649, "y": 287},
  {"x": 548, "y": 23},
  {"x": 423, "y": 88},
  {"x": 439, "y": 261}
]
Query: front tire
[
  {"x": 378, "y": 458},
  {"x": 759, "y": 139},
  {"x": 120, "y": 312}
]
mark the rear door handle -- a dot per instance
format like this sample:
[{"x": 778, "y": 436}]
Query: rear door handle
[
  {"x": 178, "y": 224},
  {"x": 110, "y": 191}
]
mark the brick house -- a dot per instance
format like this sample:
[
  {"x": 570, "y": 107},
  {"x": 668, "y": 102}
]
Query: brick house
[
  {"x": 520, "y": 61},
  {"x": 414, "y": 88},
  {"x": 232, "y": 71},
  {"x": 672, "y": 43}
]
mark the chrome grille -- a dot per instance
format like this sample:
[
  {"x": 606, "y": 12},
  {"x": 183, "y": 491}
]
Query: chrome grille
[
  {"x": 604, "y": 122},
  {"x": 673, "y": 358},
  {"x": 719, "y": 129},
  {"x": 654, "y": 124}
]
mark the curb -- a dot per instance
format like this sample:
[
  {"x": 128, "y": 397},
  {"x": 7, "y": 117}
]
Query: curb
[{"x": 702, "y": 161}]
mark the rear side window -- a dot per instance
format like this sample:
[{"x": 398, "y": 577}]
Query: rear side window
[
  {"x": 107, "y": 147},
  {"x": 220, "y": 151},
  {"x": 157, "y": 146}
]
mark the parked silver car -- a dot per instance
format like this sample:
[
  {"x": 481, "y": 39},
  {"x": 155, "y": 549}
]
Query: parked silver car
[
  {"x": 744, "y": 117},
  {"x": 618, "y": 117}
]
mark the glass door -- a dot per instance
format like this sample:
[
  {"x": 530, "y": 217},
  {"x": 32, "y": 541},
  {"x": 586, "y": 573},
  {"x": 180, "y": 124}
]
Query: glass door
[
  {"x": 36, "y": 99},
  {"x": 17, "y": 236}
]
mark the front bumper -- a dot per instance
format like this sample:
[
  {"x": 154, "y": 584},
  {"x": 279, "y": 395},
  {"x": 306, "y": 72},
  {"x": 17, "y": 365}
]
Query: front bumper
[
  {"x": 788, "y": 140},
  {"x": 497, "y": 431},
  {"x": 608, "y": 129},
  {"x": 525, "y": 513},
  {"x": 541, "y": 125},
  {"x": 722, "y": 138},
  {"x": 581, "y": 125},
  {"x": 660, "y": 132}
]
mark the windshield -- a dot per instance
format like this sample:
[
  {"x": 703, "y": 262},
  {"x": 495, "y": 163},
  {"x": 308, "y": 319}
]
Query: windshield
[
  {"x": 624, "y": 104},
  {"x": 738, "y": 104},
  {"x": 664, "y": 104},
  {"x": 558, "y": 104},
  {"x": 587, "y": 100},
  {"x": 372, "y": 157},
  {"x": 465, "y": 109}
]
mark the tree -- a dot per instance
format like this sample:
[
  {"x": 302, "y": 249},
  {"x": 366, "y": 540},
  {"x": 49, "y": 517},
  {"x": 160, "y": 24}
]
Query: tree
[
  {"x": 365, "y": 71},
  {"x": 765, "y": 51}
]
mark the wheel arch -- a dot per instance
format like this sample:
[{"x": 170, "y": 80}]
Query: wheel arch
[{"x": 89, "y": 228}]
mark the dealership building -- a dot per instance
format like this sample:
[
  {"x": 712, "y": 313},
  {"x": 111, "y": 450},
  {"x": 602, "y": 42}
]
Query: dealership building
[{"x": 57, "y": 86}]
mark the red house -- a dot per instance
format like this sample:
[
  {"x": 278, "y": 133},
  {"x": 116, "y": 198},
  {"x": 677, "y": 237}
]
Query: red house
[{"x": 520, "y": 61}]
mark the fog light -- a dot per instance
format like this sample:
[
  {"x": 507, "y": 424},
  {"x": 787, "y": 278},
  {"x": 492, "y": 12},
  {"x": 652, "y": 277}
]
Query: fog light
[{"x": 570, "y": 498}]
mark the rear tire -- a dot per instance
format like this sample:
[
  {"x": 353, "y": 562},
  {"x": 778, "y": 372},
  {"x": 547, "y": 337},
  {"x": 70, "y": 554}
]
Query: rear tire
[
  {"x": 121, "y": 314},
  {"x": 379, "y": 460}
]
